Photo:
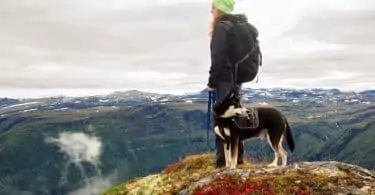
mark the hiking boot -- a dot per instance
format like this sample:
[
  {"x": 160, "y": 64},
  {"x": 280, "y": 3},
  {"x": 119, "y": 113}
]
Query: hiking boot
[{"x": 220, "y": 158}]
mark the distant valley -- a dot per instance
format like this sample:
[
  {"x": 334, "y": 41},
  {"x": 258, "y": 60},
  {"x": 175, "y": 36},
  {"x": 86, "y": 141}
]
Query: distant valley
[{"x": 83, "y": 145}]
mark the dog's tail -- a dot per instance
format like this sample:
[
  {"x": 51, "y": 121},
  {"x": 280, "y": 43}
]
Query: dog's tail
[{"x": 289, "y": 136}]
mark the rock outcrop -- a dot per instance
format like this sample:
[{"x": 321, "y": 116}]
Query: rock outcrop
[{"x": 197, "y": 175}]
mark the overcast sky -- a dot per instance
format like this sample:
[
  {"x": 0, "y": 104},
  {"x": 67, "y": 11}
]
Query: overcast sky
[{"x": 78, "y": 47}]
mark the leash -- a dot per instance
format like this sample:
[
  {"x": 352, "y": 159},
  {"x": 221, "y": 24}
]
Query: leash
[{"x": 211, "y": 100}]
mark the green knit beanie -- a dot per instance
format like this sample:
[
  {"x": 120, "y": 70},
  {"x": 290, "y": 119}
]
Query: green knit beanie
[{"x": 225, "y": 6}]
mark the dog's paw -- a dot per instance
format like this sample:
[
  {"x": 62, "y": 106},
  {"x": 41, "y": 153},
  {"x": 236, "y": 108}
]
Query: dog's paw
[
  {"x": 232, "y": 165},
  {"x": 271, "y": 165}
]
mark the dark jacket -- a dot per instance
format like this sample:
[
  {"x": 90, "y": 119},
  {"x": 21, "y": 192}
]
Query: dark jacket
[{"x": 221, "y": 69}]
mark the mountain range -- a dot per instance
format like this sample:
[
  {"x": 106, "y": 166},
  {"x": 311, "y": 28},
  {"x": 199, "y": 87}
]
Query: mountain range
[
  {"x": 134, "y": 97},
  {"x": 84, "y": 145}
]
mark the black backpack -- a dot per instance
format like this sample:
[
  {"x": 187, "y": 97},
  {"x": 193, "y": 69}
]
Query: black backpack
[{"x": 245, "y": 51}]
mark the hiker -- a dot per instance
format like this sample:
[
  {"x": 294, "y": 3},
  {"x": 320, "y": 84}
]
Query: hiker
[
  {"x": 221, "y": 70},
  {"x": 235, "y": 59}
]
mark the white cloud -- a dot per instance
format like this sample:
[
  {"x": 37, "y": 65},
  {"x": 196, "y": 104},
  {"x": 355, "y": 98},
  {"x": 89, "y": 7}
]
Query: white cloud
[
  {"x": 79, "y": 147},
  {"x": 96, "y": 185},
  {"x": 162, "y": 45},
  {"x": 274, "y": 18}
]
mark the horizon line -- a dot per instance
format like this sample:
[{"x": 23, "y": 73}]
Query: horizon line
[{"x": 156, "y": 92}]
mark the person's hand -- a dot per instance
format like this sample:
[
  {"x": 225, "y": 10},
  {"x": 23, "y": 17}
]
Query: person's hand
[{"x": 211, "y": 89}]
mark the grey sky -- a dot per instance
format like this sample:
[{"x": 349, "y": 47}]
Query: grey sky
[{"x": 68, "y": 46}]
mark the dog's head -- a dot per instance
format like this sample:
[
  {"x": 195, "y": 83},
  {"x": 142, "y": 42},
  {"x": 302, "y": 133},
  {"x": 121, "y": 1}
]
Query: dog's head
[{"x": 229, "y": 106}]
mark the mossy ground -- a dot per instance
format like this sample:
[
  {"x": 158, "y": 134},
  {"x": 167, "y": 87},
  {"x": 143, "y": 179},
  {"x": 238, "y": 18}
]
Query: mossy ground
[
  {"x": 172, "y": 179},
  {"x": 294, "y": 182},
  {"x": 179, "y": 175}
]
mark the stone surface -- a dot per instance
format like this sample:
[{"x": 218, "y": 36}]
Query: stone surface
[{"x": 346, "y": 178}]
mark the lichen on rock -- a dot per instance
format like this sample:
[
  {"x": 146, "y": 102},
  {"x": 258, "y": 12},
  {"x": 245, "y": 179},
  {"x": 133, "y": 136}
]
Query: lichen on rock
[
  {"x": 196, "y": 175},
  {"x": 302, "y": 178}
]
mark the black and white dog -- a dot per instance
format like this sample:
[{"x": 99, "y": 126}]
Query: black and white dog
[{"x": 232, "y": 122}]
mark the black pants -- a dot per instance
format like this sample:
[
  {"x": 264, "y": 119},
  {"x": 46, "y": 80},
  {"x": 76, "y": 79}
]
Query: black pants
[{"x": 222, "y": 90}]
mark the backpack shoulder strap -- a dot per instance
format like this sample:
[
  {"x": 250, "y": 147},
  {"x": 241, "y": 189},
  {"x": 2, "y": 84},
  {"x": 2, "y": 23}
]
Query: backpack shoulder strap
[{"x": 228, "y": 24}]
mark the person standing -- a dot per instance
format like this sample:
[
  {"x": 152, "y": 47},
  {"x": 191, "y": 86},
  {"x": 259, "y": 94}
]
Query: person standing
[{"x": 221, "y": 72}]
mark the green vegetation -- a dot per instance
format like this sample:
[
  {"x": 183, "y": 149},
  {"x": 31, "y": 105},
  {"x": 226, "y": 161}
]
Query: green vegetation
[
  {"x": 142, "y": 140},
  {"x": 196, "y": 175}
]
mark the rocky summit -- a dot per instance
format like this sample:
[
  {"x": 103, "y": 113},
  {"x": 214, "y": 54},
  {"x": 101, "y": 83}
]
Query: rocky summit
[{"x": 196, "y": 175}]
